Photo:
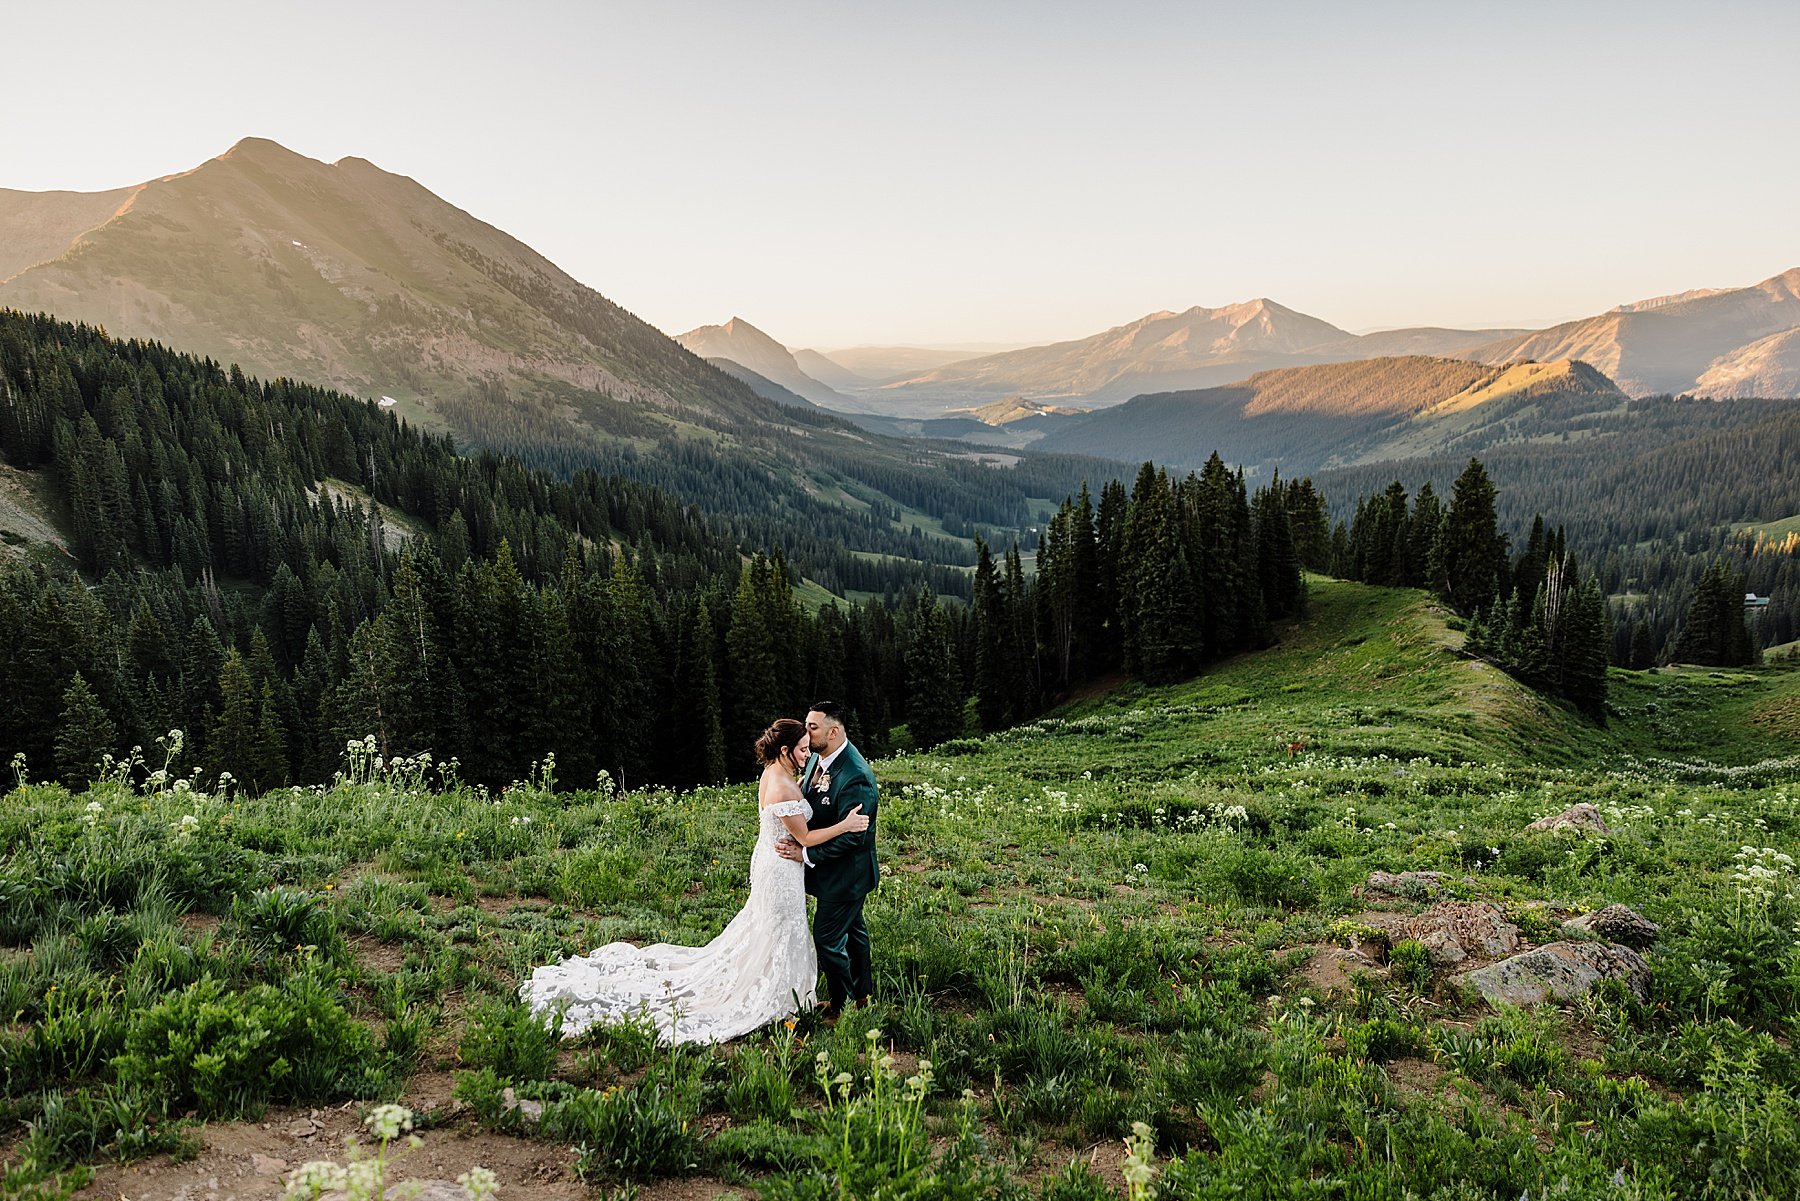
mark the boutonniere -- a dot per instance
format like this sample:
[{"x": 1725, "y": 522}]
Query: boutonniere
[{"x": 822, "y": 781}]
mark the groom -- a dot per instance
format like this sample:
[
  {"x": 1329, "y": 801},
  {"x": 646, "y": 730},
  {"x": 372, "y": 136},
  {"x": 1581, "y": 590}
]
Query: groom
[{"x": 837, "y": 778}]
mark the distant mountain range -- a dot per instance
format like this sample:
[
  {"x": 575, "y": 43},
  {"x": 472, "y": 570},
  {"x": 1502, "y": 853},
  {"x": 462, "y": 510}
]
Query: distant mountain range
[
  {"x": 1166, "y": 351},
  {"x": 1713, "y": 342},
  {"x": 1304, "y": 419},
  {"x": 346, "y": 275}
]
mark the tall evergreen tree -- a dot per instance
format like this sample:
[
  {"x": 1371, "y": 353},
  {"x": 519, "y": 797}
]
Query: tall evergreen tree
[
  {"x": 756, "y": 690},
  {"x": 993, "y": 699},
  {"x": 934, "y": 709},
  {"x": 1469, "y": 555},
  {"x": 1277, "y": 568},
  {"x": 1715, "y": 633},
  {"x": 1158, "y": 602},
  {"x": 85, "y": 734}
]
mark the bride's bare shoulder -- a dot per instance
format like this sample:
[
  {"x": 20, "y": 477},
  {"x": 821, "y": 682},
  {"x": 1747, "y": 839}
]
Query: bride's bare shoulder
[{"x": 774, "y": 788}]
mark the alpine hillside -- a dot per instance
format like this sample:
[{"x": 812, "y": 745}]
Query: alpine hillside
[
  {"x": 1301, "y": 419},
  {"x": 1697, "y": 342},
  {"x": 348, "y": 276}
]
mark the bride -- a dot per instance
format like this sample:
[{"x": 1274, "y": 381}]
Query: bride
[{"x": 761, "y": 967}]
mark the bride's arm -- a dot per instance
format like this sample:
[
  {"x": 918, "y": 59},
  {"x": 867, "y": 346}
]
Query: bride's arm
[{"x": 797, "y": 829}]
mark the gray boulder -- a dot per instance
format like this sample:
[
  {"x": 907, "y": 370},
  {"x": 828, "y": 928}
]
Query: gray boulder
[
  {"x": 1581, "y": 818},
  {"x": 1559, "y": 971},
  {"x": 1616, "y": 923}
]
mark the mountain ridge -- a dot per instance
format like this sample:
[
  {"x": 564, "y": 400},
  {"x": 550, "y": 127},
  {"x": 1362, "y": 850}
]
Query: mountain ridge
[
  {"x": 739, "y": 342},
  {"x": 356, "y": 278},
  {"x": 1301, "y": 419},
  {"x": 1667, "y": 344}
]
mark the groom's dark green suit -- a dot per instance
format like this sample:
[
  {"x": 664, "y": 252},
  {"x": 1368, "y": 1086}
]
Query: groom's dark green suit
[{"x": 843, "y": 873}]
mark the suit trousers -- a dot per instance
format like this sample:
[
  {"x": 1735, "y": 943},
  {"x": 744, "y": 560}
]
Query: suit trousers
[{"x": 843, "y": 945}]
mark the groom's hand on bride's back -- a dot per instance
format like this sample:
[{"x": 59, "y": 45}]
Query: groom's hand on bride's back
[{"x": 787, "y": 848}]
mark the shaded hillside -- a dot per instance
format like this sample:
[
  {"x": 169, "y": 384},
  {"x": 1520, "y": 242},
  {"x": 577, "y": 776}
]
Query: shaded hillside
[
  {"x": 1767, "y": 367},
  {"x": 1301, "y": 418},
  {"x": 39, "y": 226},
  {"x": 828, "y": 371},
  {"x": 1667, "y": 345},
  {"x": 1657, "y": 474}
]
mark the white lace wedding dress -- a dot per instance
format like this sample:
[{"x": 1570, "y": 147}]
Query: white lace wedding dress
[{"x": 761, "y": 967}]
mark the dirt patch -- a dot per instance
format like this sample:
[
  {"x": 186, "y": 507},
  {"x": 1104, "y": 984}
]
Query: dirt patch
[
  {"x": 429, "y": 1090},
  {"x": 250, "y": 1160},
  {"x": 694, "y": 1188},
  {"x": 1333, "y": 969},
  {"x": 377, "y": 955},
  {"x": 1422, "y": 1078}
]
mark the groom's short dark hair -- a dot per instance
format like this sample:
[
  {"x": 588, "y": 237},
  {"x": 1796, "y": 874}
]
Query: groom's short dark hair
[{"x": 830, "y": 709}]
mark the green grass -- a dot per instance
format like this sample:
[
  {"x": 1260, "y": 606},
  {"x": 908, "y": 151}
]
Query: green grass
[
  {"x": 814, "y": 595},
  {"x": 1104, "y": 917},
  {"x": 1769, "y": 529}
]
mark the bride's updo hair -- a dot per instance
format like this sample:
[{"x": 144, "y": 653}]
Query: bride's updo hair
[{"x": 777, "y": 738}]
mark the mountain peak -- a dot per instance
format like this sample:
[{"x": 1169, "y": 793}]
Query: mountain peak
[
  {"x": 260, "y": 148},
  {"x": 739, "y": 343}
]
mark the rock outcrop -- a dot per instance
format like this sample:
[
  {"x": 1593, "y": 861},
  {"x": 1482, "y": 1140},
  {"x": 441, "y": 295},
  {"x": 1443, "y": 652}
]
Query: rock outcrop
[
  {"x": 1582, "y": 817},
  {"x": 1559, "y": 971},
  {"x": 1616, "y": 923},
  {"x": 1454, "y": 931}
]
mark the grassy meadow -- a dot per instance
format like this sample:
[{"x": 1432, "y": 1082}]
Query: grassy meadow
[{"x": 1110, "y": 948}]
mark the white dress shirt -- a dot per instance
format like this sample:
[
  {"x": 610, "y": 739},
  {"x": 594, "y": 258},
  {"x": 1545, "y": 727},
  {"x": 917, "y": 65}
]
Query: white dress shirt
[{"x": 825, "y": 762}]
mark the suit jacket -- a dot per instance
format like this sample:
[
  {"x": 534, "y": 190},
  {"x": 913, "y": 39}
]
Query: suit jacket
[{"x": 844, "y": 869}]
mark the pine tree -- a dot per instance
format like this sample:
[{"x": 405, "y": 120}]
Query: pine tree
[
  {"x": 1469, "y": 554},
  {"x": 756, "y": 693},
  {"x": 202, "y": 660},
  {"x": 1084, "y": 586},
  {"x": 1158, "y": 594},
  {"x": 85, "y": 734},
  {"x": 1643, "y": 647},
  {"x": 1311, "y": 524},
  {"x": 1589, "y": 635},
  {"x": 1277, "y": 569},
  {"x": 1023, "y": 677},
  {"x": 1109, "y": 546},
  {"x": 1422, "y": 531},
  {"x": 232, "y": 742},
  {"x": 993, "y": 700},
  {"x": 697, "y": 702},
  {"x": 934, "y": 709},
  {"x": 1715, "y": 633},
  {"x": 267, "y": 763}
]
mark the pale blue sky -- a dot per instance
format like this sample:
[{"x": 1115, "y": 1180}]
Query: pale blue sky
[{"x": 843, "y": 173}]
